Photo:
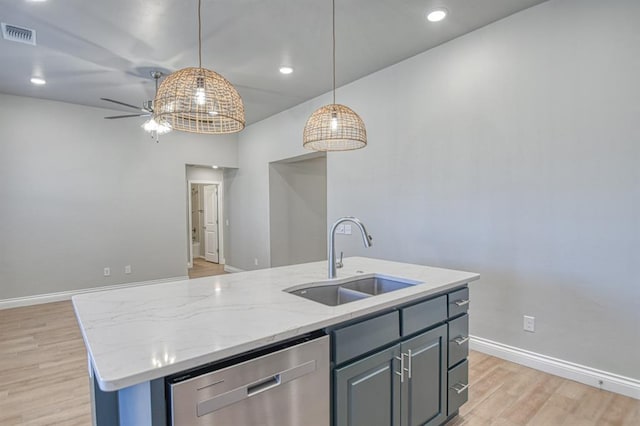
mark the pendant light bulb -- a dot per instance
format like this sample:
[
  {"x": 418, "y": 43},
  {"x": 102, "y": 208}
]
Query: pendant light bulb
[
  {"x": 200, "y": 97},
  {"x": 334, "y": 122}
]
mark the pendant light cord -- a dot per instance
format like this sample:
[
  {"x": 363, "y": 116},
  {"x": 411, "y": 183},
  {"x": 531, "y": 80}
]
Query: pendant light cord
[
  {"x": 199, "y": 34},
  {"x": 334, "y": 49}
]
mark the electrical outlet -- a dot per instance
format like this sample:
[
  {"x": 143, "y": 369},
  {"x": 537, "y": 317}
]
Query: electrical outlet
[
  {"x": 107, "y": 271},
  {"x": 255, "y": 261},
  {"x": 340, "y": 229},
  {"x": 529, "y": 324},
  {"x": 127, "y": 269}
]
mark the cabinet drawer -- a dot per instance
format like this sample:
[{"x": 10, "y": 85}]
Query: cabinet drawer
[
  {"x": 458, "y": 384},
  {"x": 458, "y": 302},
  {"x": 424, "y": 315},
  {"x": 357, "y": 339},
  {"x": 458, "y": 339}
]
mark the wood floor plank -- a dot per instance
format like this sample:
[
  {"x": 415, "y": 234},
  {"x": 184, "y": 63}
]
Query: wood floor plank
[
  {"x": 202, "y": 268},
  {"x": 43, "y": 376}
]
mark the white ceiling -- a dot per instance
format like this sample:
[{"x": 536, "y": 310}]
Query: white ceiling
[{"x": 88, "y": 49}]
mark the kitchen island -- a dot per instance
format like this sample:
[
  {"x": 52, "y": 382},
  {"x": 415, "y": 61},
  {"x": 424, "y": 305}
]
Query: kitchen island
[{"x": 137, "y": 336}]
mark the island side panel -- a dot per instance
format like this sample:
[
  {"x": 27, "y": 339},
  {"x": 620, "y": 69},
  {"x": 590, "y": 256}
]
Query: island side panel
[{"x": 139, "y": 405}]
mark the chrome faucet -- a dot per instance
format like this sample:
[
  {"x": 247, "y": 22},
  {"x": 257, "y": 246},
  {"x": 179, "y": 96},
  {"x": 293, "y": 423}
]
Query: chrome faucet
[{"x": 366, "y": 238}]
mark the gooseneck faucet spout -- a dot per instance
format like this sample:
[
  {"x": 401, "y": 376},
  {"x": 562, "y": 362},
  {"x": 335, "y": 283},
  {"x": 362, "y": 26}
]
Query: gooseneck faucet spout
[{"x": 366, "y": 238}]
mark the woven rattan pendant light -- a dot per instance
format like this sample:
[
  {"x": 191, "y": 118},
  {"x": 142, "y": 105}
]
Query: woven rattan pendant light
[
  {"x": 199, "y": 100},
  {"x": 334, "y": 127}
]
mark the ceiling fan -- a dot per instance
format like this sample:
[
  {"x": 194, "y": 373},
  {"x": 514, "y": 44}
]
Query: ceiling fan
[{"x": 150, "y": 125}]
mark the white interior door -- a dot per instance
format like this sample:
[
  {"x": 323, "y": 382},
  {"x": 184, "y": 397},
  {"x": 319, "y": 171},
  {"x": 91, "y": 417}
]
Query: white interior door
[{"x": 211, "y": 223}]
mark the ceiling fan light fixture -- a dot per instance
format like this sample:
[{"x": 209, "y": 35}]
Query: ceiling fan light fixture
[
  {"x": 199, "y": 100},
  {"x": 151, "y": 125},
  {"x": 334, "y": 127}
]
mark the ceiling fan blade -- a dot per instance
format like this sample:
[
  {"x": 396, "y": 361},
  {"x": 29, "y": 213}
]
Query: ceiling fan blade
[
  {"x": 122, "y": 103},
  {"x": 127, "y": 116}
]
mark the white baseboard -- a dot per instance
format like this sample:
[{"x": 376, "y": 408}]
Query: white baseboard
[
  {"x": 66, "y": 295},
  {"x": 558, "y": 367},
  {"x": 232, "y": 269}
]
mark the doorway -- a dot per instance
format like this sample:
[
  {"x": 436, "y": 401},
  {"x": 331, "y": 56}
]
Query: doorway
[
  {"x": 205, "y": 232},
  {"x": 298, "y": 209}
]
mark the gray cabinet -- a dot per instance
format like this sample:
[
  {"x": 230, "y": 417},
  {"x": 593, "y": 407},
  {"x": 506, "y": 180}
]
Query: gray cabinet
[
  {"x": 404, "y": 385},
  {"x": 458, "y": 375},
  {"x": 458, "y": 387},
  {"x": 418, "y": 374},
  {"x": 425, "y": 381},
  {"x": 367, "y": 392},
  {"x": 458, "y": 339}
]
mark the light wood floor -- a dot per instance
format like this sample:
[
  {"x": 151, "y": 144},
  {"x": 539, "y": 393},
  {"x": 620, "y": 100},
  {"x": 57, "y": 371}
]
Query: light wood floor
[
  {"x": 43, "y": 367},
  {"x": 507, "y": 394},
  {"x": 202, "y": 268},
  {"x": 43, "y": 381}
]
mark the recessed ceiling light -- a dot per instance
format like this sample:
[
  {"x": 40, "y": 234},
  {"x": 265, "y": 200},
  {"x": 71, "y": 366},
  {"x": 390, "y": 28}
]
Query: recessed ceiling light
[
  {"x": 437, "y": 15},
  {"x": 286, "y": 70},
  {"x": 214, "y": 167},
  {"x": 38, "y": 81}
]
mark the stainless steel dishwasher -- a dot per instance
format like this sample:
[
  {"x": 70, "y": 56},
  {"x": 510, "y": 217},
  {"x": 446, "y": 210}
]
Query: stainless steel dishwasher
[{"x": 287, "y": 385}]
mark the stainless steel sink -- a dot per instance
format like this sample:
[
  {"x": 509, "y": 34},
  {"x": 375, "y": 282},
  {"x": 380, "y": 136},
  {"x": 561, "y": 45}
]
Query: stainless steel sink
[
  {"x": 331, "y": 295},
  {"x": 339, "y": 292},
  {"x": 376, "y": 285}
]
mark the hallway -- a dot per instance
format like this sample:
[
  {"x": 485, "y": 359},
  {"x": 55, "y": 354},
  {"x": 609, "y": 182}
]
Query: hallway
[{"x": 202, "y": 268}]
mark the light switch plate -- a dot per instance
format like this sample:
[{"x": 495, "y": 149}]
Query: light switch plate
[{"x": 347, "y": 229}]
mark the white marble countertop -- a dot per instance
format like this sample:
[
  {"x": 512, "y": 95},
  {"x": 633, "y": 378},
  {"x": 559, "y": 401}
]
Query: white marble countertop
[{"x": 143, "y": 333}]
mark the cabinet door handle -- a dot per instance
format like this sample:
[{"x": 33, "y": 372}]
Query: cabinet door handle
[
  {"x": 461, "y": 340},
  {"x": 409, "y": 358},
  {"x": 402, "y": 369},
  {"x": 459, "y": 387},
  {"x": 461, "y": 302}
]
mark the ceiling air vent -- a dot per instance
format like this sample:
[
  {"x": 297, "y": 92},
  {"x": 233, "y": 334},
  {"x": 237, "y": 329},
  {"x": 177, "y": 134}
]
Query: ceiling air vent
[{"x": 19, "y": 34}]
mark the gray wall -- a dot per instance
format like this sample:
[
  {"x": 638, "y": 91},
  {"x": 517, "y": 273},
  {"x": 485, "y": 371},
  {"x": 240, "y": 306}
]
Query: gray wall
[
  {"x": 298, "y": 211},
  {"x": 513, "y": 152},
  {"x": 204, "y": 173},
  {"x": 274, "y": 139},
  {"x": 80, "y": 193}
]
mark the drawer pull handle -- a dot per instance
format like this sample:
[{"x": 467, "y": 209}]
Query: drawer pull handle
[
  {"x": 461, "y": 340},
  {"x": 461, "y": 302},
  {"x": 459, "y": 387},
  {"x": 409, "y": 355}
]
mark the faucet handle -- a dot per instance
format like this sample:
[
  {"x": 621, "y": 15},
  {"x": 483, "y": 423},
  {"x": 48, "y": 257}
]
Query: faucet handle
[{"x": 339, "y": 263}]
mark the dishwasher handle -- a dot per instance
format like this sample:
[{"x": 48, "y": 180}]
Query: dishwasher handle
[
  {"x": 254, "y": 388},
  {"x": 263, "y": 385}
]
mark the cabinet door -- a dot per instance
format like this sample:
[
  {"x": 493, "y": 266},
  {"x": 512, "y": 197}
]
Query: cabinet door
[
  {"x": 425, "y": 385},
  {"x": 367, "y": 392}
]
